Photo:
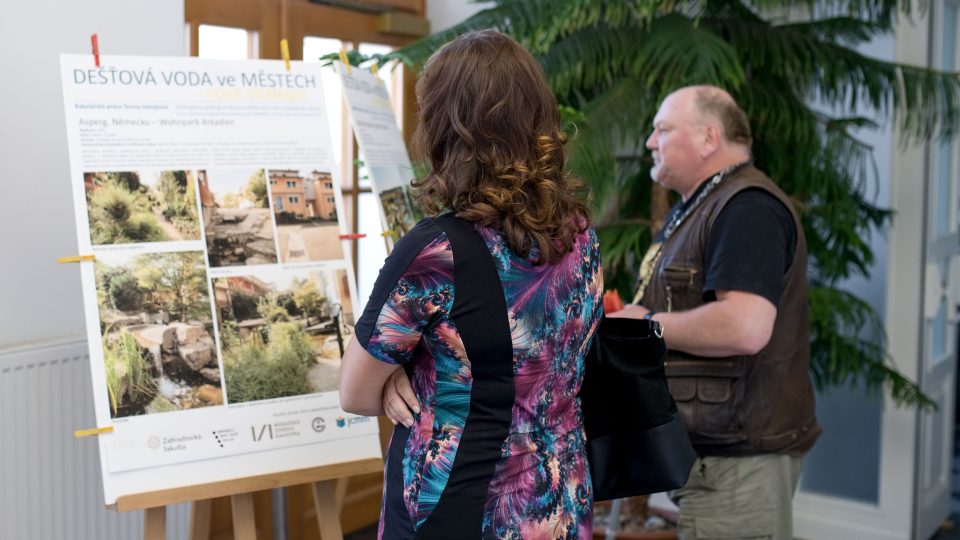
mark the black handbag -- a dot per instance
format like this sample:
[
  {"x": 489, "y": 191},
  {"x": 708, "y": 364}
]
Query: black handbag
[{"x": 636, "y": 442}]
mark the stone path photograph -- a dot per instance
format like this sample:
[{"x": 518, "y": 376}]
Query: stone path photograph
[{"x": 236, "y": 217}]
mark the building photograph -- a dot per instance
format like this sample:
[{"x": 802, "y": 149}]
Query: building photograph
[{"x": 305, "y": 210}]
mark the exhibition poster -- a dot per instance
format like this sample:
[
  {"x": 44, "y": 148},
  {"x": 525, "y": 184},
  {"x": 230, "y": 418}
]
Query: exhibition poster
[
  {"x": 381, "y": 145},
  {"x": 222, "y": 295}
]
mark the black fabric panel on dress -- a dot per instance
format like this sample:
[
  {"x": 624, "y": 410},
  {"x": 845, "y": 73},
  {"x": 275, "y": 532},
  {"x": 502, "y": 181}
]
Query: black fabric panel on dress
[
  {"x": 480, "y": 315},
  {"x": 404, "y": 252},
  {"x": 397, "y": 524}
]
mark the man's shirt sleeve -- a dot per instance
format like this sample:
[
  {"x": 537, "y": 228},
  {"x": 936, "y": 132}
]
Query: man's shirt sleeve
[{"x": 751, "y": 247}]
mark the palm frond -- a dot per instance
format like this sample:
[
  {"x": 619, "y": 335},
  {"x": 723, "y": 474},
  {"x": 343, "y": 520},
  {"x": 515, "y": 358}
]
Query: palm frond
[
  {"x": 845, "y": 30},
  {"x": 877, "y": 10},
  {"x": 610, "y": 62},
  {"x": 623, "y": 244},
  {"x": 923, "y": 102},
  {"x": 616, "y": 120},
  {"x": 849, "y": 346},
  {"x": 591, "y": 59},
  {"x": 538, "y": 24}
]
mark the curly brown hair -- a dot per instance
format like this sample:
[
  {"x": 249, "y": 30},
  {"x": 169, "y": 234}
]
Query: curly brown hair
[{"x": 490, "y": 131}]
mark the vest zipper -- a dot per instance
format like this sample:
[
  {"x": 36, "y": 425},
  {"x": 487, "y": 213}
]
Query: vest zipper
[{"x": 669, "y": 299}]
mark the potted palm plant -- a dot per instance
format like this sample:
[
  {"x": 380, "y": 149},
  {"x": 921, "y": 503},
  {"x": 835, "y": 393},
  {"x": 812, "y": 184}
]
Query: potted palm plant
[{"x": 610, "y": 62}]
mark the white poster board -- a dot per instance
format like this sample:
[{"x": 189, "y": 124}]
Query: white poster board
[
  {"x": 221, "y": 295},
  {"x": 381, "y": 144}
]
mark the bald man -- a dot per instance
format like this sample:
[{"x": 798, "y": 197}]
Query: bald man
[{"x": 726, "y": 277}]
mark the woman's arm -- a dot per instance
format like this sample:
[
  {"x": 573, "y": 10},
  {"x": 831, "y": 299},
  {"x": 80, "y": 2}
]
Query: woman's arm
[{"x": 361, "y": 381}]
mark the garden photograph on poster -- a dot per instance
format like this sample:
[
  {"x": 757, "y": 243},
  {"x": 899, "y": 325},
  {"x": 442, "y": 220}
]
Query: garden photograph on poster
[
  {"x": 282, "y": 331},
  {"x": 156, "y": 329},
  {"x": 236, "y": 217},
  {"x": 399, "y": 211},
  {"x": 126, "y": 207}
]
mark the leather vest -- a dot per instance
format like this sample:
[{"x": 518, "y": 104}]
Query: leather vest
[{"x": 748, "y": 404}]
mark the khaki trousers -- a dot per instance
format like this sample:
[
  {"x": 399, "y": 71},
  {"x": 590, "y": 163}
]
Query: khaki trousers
[{"x": 732, "y": 498}]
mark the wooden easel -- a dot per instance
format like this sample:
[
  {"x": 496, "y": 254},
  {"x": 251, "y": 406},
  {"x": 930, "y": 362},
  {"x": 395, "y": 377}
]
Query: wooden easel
[{"x": 328, "y": 486}]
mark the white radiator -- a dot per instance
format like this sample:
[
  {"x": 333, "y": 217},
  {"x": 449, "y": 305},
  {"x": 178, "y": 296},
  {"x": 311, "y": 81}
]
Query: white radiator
[{"x": 49, "y": 481}]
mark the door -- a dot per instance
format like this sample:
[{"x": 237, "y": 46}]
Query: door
[{"x": 938, "y": 354}]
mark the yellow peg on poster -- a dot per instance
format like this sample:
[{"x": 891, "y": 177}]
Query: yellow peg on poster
[
  {"x": 285, "y": 53},
  {"x": 76, "y": 259},
  {"x": 93, "y": 431},
  {"x": 344, "y": 59}
]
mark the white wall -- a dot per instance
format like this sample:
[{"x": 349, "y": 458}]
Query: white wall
[
  {"x": 40, "y": 300},
  {"x": 443, "y": 14}
]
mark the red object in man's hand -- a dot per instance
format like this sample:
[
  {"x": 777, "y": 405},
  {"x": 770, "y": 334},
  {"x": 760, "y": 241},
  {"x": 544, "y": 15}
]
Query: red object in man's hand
[{"x": 612, "y": 301}]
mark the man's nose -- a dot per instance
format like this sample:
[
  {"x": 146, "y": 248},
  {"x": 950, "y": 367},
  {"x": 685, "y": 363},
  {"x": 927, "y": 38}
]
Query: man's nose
[{"x": 652, "y": 141}]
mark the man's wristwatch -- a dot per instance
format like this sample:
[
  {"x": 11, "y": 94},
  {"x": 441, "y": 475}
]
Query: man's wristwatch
[{"x": 649, "y": 315}]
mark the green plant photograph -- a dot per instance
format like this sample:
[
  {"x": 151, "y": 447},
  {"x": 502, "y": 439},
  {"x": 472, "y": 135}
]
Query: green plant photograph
[
  {"x": 156, "y": 332},
  {"x": 282, "y": 332},
  {"x": 141, "y": 206}
]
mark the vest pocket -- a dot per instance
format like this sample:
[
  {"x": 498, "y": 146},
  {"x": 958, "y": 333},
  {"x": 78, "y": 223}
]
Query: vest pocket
[
  {"x": 681, "y": 275},
  {"x": 708, "y": 394},
  {"x": 717, "y": 412},
  {"x": 683, "y": 286}
]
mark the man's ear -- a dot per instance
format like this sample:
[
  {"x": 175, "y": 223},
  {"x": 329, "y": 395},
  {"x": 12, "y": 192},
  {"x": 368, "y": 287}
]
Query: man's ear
[{"x": 710, "y": 140}]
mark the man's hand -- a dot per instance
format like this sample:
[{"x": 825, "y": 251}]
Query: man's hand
[
  {"x": 737, "y": 323},
  {"x": 399, "y": 401}
]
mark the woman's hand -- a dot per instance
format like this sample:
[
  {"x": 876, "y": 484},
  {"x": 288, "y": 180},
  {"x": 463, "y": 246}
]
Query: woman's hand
[{"x": 400, "y": 404}]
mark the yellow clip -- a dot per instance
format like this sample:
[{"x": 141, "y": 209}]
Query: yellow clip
[
  {"x": 94, "y": 431},
  {"x": 344, "y": 59},
  {"x": 285, "y": 53},
  {"x": 375, "y": 68},
  {"x": 77, "y": 258}
]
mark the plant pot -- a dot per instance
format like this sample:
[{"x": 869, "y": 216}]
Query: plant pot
[
  {"x": 670, "y": 534},
  {"x": 633, "y": 510}
]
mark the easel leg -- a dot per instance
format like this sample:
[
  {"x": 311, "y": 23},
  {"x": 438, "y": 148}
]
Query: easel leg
[
  {"x": 340, "y": 492},
  {"x": 328, "y": 515},
  {"x": 244, "y": 523},
  {"x": 200, "y": 512},
  {"x": 155, "y": 523}
]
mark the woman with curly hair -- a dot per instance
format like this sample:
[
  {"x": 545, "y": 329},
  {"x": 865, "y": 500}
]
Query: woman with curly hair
[{"x": 487, "y": 308}]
